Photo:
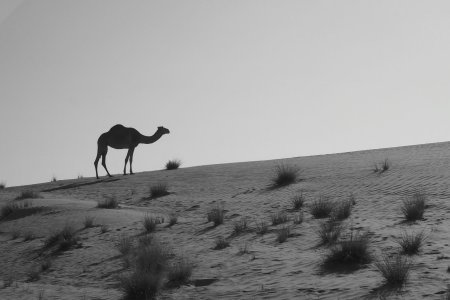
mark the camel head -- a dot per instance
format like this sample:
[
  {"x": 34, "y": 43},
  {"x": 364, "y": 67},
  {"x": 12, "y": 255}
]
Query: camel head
[{"x": 163, "y": 130}]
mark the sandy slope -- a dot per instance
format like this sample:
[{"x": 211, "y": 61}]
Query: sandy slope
[{"x": 271, "y": 270}]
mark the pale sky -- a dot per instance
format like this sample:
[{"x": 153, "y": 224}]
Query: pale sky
[{"x": 232, "y": 80}]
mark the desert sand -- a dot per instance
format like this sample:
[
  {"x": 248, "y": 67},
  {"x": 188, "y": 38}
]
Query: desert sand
[{"x": 269, "y": 269}]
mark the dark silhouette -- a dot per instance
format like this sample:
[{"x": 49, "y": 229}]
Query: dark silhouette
[{"x": 121, "y": 137}]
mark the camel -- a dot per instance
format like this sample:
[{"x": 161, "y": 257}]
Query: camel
[{"x": 121, "y": 137}]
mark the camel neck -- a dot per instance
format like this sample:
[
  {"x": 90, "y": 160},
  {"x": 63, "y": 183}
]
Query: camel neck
[{"x": 149, "y": 139}]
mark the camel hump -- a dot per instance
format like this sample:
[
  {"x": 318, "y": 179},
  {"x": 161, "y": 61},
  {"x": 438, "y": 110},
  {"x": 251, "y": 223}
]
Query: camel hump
[{"x": 117, "y": 127}]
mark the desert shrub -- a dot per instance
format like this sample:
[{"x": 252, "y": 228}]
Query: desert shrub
[
  {"x": 150, "y": 222},
  {"x": 261, "y": 227},
  {"x": 283, "y": 234},
  {"x": 243, "y": 249},
  {"x": 158, "y": 190},
  {"x": 179, "y": 272},
  {"x": 145, "y": 279},
  {"x": 10, "y": 207},
  {"x": 342, "y": 210},
  {"x": 28, "y": 194},
  {"x": 297, "y": 201},
  {"x": 298, "y": 218},
  {"x": 173, "y": 164},
  {"x": 173, "y": 219},
  {"x": 63, "y": 239},
  {"x": 321, "y": 208},
  {"x": 385, "y": 165},
  {"x": 108, "y": 202},
  {"x": 2, "y": 185},
  {"x": 221, "y": 243},
  {"x": 284, "y": 175},
  {"x": 411, "y": 242},
  {"x": 349, "y": 252},
  {"x": 414, "y": 207},
  {"x": 329, "y": 232},
  {"x": 395, "y": 269},
  {"x": 124, "y": 245},
  {"x": 80, "y": 176},
  {"x": 375, "y": 168},
  {"x": 54, "y": 179},
  {"x": 88, "y": 221},
  {"x": 104, "y": 228},
  {"x": 240, "y": 226},
  {"x": 216, "y": 215},
  {"x": 145, "y": 240},
  {"x": 279, "y": 218}
]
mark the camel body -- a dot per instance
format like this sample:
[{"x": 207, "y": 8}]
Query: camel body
[{"x": 121, "y": 137}]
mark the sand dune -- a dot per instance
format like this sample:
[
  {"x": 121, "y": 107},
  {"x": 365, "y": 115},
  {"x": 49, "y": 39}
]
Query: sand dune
[{"x": 271, "y": 270}]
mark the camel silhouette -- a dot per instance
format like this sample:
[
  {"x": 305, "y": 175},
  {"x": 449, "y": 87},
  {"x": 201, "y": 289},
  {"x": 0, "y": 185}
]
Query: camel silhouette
[{"x": 121, "y": 137}]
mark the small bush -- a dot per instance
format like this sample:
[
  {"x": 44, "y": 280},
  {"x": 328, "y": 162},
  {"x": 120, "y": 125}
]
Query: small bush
[
  {"x": 179, "y": 272},
  {"x": 108, "y": 202},
  {"x": 411, "y": 243},
  {"x": 342, "y": 210},
  {"x": 329, "y": 232},
  {"x": 240, "y": 226},
  {"x": 395, "y": 270},
  {"x": 28, "y": 194},
  {"x": 261, "y": 227},
  {"x": 284, "y": 175},
  {"x": 63, "y": 239},
  {"x": 173, "y": 164},
  {"x": 283, "y": 233},
  {"x": 88, "y": 221},
  {"x": 173, "y": 219},
  {"x": 298, "y": 218},
  {"x": 124, "y": 245},
  {"x": 104, "y": 228},
  {"x": 158, "y": 190},
  {"x": 348, "y": 252},
  {"x": 150, "y": 222},
  {"x": 321, "y": 208},
  {"x": 279, "y": 218},
  {"x": 10, "y": 207},
  {"x": 216, "y": 215},
  {"x": 221, "y": 243},
  {"x": 414, "y": 207},
  {"x": 297, "y": 202}
]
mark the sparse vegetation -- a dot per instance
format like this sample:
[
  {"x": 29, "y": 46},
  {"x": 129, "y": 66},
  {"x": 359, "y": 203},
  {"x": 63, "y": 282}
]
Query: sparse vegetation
[
  {"x": 261, "y": 227},
  {"x": 88, "y": 221},
  {"x": 150, "y": 222},
  {"x": 297, "y": 201},
  {"x": 108, "y": 202},
  {"x": 179, "y": 272},
  {"x": 28, "y": 194},
  {"x": 221, "y": 243},
  {"x": 216, "y": 215},
  {"x": 283, "y": 233},
  {"x": 240, "y": 226},
  {"x": 329, "y": 232},
  {"x": 411, "y": 242},
  {"x": 2, "y": 185},
  {"x": 385, "y": 165},
  {"x": 53, "y": 179},
  {"x": 349, "y": 252},
  {"x": 284, "y": 175},
  {"x": 158, "y": 190},
  {"x": 173, "y": 164},
  {"x": 124, "y": 245},
  {"x": 321, "y": 208},
  {"x": 342, "y": 210},
  {"x": 173, "y": 219},
  {"x": 10, "y": 207},
  {"x": 298, "y": 218},
  {"x": 104, "y": 228},
  {"x": 279, "y": 218},
  {"x": 243, "y": 249},
  {"x": 63, "y": 239},
  {"x": 414, "y": 207},
  {"x": 395, "y": 269}
]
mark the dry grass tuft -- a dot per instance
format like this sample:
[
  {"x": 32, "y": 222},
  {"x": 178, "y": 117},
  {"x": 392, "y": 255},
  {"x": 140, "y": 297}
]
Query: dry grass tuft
[
  {"x": 411, "y": 242},
  {"x": 179, "y": 272},
  {"x": 173, "y": 219},
  {"x": 240, "y": 226},
  {"x": 108, "y": 202},
  {"x": 342, "y": 210},
  {"x": 28, "y": 194},
  {"x": 2, "y": 185},
  {"x": 104, "y": 228},
  {"x": 297, "y": 201},
  {"x": 124, "y": 245},
  {"x": 221, "y": 243},
  {"x": 321, "y": 208},
  {"x": 173, "y": 164},
  {"x": 298, "y": 218},
  {"x": 11, "y": 207},
  {"x": 216, "y": 215},
  {"x": 88, "y": 221},
  {"x": 284, "y": 175},
  {"x": 283, "y": 233},
  {"x": 279, "y": 218},
  {"x": 261, "y": 227},
  {"x": 63, "y": 239},
  {"x": 329, "y": 232},
  {"x": 395, "y": 270},
  {"x": 349, "y": 252},
  {"x": 414, "y": 207},
  {"x": 150, "y": 222},
  {"x": 158, "y": 190}
]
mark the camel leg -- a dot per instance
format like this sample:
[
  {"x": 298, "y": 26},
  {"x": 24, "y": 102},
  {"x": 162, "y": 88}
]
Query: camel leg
[
  {"x": 126, "y": 160},
  {"x": 104, "y": 164},
  {"x": 131, "y": 161},
  {"x": 96, "y": 164}
]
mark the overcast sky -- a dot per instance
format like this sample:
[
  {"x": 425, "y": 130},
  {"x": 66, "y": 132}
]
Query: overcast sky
[{"x": 232, "y": 80}]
